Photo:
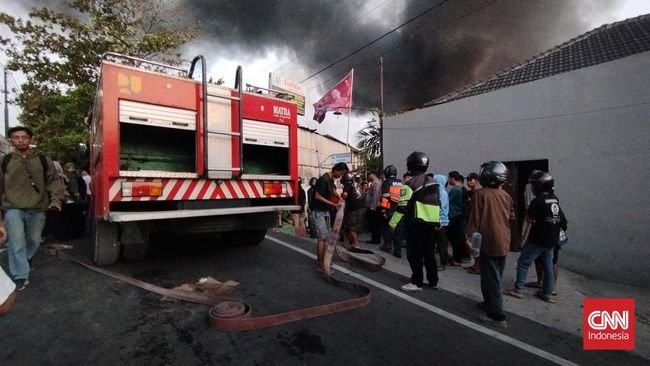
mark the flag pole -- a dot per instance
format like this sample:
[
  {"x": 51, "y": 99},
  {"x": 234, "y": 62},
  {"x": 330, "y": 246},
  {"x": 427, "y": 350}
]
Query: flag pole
[{"x": 347, "y": 136}]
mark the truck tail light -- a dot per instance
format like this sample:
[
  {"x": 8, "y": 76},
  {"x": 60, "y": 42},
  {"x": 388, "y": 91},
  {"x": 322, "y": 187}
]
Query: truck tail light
[
  {"x": 274, "y": 188},
  {"x": 141, "y": 189}
]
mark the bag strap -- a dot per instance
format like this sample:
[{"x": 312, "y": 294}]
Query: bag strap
[{"x": 7, "y": 158}]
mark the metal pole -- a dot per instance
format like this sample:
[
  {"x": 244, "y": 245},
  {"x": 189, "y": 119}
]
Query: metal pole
[
  {"x": 381, "y": 113},
  {"x": 6, "y": 106}
]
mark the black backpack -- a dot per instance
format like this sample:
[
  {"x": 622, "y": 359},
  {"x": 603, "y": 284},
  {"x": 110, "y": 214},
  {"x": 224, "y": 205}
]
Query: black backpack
[{"x": 41, "y": 157}]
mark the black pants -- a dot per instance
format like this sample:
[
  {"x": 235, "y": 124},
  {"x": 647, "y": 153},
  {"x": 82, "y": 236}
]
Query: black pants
[
  {"x": 456, "y": 236},
  {"x": 419, "y": 251},
  {"x": 374, "y": 225},
  {"x": 440, "y": 239}
]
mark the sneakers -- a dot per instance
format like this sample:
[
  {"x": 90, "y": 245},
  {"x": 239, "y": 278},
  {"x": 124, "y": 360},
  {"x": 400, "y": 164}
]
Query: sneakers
[
  {"x": 21, "y": 284},
  {"x": 497, "y": 323},
  {"x": 411, "y": 287}
]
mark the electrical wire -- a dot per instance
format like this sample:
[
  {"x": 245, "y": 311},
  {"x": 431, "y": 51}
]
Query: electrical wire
[{"x": 425, "y": 12}]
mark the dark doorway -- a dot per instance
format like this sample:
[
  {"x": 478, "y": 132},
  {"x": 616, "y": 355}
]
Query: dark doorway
[{"x": 519, "y": 171}]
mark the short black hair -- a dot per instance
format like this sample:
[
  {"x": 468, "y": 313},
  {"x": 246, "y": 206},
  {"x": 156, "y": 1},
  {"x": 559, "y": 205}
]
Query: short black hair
[
  {"x": 472, "y": 175},
  {"x": 340, "y": 167},
  {"x": 18, "y": 129},
  {"x": 455, "y": 175}
]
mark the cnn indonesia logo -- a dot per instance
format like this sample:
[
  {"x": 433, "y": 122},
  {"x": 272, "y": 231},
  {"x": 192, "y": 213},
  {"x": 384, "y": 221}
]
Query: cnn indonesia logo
[{"x": 608, "y": 324}]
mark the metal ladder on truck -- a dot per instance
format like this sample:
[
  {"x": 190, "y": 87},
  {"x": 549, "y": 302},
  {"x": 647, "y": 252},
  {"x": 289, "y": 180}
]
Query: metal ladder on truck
[{"x": 218, "y": 129}]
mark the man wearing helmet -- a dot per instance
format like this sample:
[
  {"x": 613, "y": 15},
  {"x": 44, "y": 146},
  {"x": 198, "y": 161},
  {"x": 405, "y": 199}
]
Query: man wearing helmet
[
  {"x": 390, "y": 191},
  {"x": 490, "y": 213},
  {"x": 546, "y": 219},
  {"x": 419, "y": 206}
]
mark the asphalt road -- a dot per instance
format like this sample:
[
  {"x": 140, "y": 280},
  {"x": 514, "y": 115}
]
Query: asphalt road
[{"x": 70, "y": 315}]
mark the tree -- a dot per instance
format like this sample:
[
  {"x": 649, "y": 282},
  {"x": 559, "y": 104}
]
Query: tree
[
  {"x": 369, "y": 144},
  {"x": 59, "y": 53}
]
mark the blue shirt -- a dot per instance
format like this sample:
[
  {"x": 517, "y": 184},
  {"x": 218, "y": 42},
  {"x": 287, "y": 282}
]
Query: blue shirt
[{"x": 444, "y": 199}]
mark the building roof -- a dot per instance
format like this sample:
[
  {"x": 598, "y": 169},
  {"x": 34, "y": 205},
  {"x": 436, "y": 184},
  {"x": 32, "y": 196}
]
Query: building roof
[
  {"x": 606, "y": 43},
  {"x": 327, "y": 136}
]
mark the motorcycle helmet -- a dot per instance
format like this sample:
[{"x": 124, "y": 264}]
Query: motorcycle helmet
[
  {"x": 493, "y": 174},
  {"x": 541, "y": 182},
  {"x": 390, "y": 171},
  {"x": 417, "y": 162}
]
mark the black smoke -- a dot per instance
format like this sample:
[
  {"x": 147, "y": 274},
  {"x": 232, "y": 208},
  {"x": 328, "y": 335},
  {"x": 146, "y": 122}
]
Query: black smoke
[{"x": 457, "y": 43}]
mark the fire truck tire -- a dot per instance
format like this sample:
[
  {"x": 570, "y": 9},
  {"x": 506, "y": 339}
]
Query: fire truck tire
[
  {"x": 107, "y": 245},
  {"x": 136, "y": 251},
  {"x": 254, "y": 237}
]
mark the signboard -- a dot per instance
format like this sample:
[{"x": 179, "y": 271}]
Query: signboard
[
  {"x": 341, "y": 158},
  {"x": 292, "y": 88}
]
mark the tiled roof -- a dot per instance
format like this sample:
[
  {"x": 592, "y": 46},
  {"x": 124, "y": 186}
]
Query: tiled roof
[{"x": 606, "y": 43}]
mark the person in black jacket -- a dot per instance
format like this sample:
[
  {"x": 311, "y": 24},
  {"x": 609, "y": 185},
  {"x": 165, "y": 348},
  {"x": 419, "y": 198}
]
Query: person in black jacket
[
  {"x": 546, "y": 218},
  {"x": 298, "y": 217}
]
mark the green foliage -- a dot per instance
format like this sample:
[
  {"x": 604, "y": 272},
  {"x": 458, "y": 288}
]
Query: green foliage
[
  {"x": 369, "y": 145},
  {"x": 59, "y": 52}
]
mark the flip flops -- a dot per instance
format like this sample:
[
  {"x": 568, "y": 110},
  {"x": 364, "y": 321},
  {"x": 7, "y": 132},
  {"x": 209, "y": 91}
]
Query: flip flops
[{"x": 533, "y": 284}]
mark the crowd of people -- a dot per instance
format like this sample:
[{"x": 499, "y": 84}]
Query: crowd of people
[
  {"x": 40, "y": 199},
  {"x": 429, "y": 213}
]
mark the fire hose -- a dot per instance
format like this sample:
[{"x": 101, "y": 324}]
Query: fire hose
[{"x": 228, "y": 314}]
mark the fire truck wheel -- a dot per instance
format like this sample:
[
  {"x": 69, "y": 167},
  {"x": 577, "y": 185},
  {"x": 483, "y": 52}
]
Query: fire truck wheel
[
  {"x": 107, "y": 245},
  {"x": 254, "y": 237},
  {"x": 136, "y": 251}
]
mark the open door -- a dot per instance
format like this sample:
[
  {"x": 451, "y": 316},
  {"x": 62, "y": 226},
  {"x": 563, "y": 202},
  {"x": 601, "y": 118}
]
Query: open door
[{"x": 515, "y": 186}]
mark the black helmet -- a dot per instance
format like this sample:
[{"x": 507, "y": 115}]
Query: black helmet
[
  {"x": 347, "y": 179},
  {"x": 390, "y": 171},
  {"x": 493, "y": 174},
  {"x": 417, "y": 162},
  {"x": 312, "y": 181},
  {"x": 541, "y": 182}
]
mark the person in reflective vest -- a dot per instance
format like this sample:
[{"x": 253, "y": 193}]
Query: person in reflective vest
[
  {"x": 419, "y": 206},
  {"x": 390, "y": 192}
]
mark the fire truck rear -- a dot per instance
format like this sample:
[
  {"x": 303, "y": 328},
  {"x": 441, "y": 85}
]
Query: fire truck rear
[{"x": 173, "y": 154}]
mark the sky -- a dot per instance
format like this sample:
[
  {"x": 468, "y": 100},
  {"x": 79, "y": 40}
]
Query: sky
[{"x": 429, "y": 48}]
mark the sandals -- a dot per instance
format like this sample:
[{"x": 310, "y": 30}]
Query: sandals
[
  {"x": 514, "y": 293},
  {"x": 540, "y": 295},
  {"x": 533, "y": 284}
]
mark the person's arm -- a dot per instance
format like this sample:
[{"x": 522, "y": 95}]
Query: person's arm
[
  {"x": 322, "y": 199},
  {"x": 474, "y": 221}
]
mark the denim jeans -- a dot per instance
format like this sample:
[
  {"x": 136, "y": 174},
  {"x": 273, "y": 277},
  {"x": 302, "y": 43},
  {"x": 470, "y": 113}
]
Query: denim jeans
[
  {"x": 528, "y": 254},
  {"x": 491, "y": 275},
  {"x": 24, "y": 229}
]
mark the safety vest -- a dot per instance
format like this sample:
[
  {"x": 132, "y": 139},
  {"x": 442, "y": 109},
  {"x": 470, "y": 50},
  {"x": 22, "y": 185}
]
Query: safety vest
[
  {"x": 419, "y": 202},
  {"x": 391, "y": 198}
]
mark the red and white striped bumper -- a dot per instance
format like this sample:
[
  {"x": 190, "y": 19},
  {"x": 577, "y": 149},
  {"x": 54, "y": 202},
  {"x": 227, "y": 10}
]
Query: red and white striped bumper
[{"x": 198, "y": 189}]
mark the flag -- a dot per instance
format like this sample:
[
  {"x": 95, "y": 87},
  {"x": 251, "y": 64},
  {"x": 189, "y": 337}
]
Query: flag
[{"x": 339, "y": 98}]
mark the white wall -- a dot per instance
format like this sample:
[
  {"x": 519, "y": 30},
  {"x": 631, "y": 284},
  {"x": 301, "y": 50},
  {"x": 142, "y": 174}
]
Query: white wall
[{"x": 593, "y": 127}]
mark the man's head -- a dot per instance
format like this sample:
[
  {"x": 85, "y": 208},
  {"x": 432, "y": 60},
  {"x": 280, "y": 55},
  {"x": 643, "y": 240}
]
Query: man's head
[
  {"x": 70, "y": 168},
  {"x": 364, "y": 186},
  {"x": 472, "y": 181},
  {"x": 20, "y": 137},
  {"x": 372, "y": 176},
  {"x": 339, "y": 170},
  {"x": 455, "y": 178}
]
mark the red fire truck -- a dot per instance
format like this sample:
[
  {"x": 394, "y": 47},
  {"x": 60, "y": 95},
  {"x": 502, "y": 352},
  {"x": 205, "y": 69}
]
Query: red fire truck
[{"x": 173, "y": 154}]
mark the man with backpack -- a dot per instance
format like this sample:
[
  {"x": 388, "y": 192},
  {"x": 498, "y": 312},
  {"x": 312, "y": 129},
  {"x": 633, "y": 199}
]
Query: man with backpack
[
  {"x": 29, "y": 187},
  {"x": 419, "y": 206}
]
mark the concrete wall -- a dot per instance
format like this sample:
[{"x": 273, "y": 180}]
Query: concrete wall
[{"x": 593, "y": 127}]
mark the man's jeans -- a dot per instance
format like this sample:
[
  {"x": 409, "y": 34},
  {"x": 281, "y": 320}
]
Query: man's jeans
[
  {"x": 491, "y": 275},
  {"x": 24, "y": 229},
  {"x": 527, "y": 256}
]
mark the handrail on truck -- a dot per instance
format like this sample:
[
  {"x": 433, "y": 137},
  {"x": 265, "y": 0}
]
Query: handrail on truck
[
  {"x": 204, "y": 107},
  {"x": 239, "y": 87},
  {"x": 105, "y": 56}
]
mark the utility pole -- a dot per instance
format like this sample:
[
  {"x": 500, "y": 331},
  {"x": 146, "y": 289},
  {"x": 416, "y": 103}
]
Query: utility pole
[
  {"x": 6, "y": 105},
  {"x": 381, "y": 113}
]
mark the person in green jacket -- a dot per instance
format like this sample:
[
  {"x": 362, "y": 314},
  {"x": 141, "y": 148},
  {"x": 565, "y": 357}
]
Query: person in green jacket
[{"x": 29, "y": 187}]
